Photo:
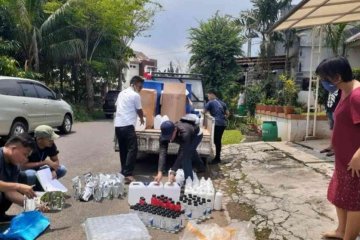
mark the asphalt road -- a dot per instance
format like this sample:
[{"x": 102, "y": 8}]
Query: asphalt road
[{"x": 89, "y": 148}]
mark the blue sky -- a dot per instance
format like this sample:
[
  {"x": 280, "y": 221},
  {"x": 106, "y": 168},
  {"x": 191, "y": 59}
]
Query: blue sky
[{"x": 169, "y": 34}]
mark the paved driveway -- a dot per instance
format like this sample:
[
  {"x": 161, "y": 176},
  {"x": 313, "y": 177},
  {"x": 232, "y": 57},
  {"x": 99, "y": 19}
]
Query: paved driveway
[{"x": 90, "y": 149}]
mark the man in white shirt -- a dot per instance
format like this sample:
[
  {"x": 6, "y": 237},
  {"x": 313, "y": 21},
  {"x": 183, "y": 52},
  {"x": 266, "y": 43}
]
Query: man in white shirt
[{"x": 128, "y": 107}]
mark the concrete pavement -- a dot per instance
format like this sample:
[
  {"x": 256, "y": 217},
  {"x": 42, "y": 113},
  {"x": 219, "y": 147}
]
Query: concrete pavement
[{"x": 282, "y": 187}]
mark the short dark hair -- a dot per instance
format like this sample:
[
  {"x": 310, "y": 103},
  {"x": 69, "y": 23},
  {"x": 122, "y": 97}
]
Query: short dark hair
[
  {"x": 336, "y": 65},
  {"x": 24, "y": 139},
  {"x": 136, "y": 79},
  {"x": 212, "y": 91}
]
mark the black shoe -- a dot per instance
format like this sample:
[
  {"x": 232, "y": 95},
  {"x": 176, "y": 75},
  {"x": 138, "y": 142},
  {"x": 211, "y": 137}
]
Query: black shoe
[
  {"x": 6, "y": 218},
  {"x": 201, "y": 170},
  {"x": 215, "y": 161}
]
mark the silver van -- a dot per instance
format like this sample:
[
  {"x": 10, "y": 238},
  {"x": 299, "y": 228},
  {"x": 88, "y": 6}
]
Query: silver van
[{"x": 26, "y": 104}]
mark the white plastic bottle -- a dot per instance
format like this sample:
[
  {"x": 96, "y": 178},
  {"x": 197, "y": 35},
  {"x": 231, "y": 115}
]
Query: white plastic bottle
[{"x": 218, "y": 201}]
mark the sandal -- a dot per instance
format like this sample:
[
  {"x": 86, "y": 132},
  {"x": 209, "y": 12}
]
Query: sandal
[
  {"x": 328, "y": 149},
  {"x": 330, "y": 153}
]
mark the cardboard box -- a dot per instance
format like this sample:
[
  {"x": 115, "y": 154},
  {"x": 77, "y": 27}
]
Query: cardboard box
[
  {"x": 173, "y": 101},
  {"x": 148, "y": 102}
]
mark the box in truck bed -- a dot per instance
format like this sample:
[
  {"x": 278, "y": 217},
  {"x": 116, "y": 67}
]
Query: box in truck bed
[
  {"x": 173, "y": 101},
  {"x": 148, "y": 102}
]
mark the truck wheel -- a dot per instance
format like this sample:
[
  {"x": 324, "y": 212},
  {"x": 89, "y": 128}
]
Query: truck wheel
[
  {"x": 18, "y": 128},
  {"x": 67, "y": 125}
]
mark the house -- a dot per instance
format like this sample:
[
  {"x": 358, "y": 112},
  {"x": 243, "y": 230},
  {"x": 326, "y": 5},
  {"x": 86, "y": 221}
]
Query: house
[{"x": 140, "y": 65}]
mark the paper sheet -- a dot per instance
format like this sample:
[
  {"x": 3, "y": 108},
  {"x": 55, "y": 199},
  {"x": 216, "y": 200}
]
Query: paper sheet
[{"x": 49, "y": 184}]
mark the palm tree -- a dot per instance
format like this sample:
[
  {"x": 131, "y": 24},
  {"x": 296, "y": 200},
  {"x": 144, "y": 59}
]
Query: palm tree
[{"x": 335, "y": 38}]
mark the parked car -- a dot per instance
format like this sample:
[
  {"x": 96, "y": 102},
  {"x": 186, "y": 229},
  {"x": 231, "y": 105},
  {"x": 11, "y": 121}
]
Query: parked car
[
  {"x": 109, "y": 105},
  {"x": 26, "y": 104}
]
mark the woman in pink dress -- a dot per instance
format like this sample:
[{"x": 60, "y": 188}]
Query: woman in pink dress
[{"x": 344, "y": 187}]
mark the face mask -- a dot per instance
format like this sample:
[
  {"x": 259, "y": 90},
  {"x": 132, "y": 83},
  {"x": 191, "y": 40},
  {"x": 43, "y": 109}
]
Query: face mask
[{"x": 329, "y": 86}]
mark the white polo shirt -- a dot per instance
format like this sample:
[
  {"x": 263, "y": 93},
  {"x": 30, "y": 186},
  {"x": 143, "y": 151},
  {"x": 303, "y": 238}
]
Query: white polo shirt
[{"x": 127, "y": 103}]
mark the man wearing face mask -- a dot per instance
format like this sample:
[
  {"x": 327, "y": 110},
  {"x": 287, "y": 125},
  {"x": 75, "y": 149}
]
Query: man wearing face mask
[
  {"x": 128, "y": 107},
  {"x": 333, "y": 99}
]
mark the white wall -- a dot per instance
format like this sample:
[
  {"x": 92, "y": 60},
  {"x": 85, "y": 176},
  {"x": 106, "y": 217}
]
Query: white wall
[
  {"x": 131, "y": 71},
  {"x": 295, "y": 130},
  {"x": 353, "y": 55}
]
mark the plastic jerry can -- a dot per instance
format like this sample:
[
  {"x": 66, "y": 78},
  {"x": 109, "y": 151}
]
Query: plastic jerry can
[
  {"x": 153, "y": 188},
  {"x": 136, "y": 190},
  {"x": 157, "y": 122},
  {"x": 140, "y": 127},
  {"x": 172, "y": 190}
]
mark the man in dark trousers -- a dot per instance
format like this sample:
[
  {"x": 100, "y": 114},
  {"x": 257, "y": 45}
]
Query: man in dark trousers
[
  {"x": 220, "y": 112},
  {"x": 15, "y": 153},
  {"x": 187, "y": 134},
  {"x": 128, "y": 108}
]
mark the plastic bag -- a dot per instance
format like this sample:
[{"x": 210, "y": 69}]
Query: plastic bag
[
  {"x": 116, "y": 227},
  {"x": 212, "y": 231},
  {"x": 26, "y": 226}
]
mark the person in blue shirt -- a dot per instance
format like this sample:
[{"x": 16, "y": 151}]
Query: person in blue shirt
[{"x": 220, "y": 112}]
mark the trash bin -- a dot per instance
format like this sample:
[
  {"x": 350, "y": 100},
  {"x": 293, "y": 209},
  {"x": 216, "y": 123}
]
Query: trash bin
[{"x": 269, "y": 131}]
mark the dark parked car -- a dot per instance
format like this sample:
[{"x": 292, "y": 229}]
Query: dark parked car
[{"x": 109, "y": 106}]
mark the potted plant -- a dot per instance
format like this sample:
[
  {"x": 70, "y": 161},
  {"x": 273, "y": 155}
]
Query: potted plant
[
  {"x": 289, "y": 92},
  {"x": 270, "y": 104}
]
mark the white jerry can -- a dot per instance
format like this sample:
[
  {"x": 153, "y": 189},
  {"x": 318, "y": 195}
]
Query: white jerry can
[
  {"x": 140, "y": 127},
  {"x": 153, "y": 188},
  {"x": 136, "y": 190},
  {"x": 172, "y": 190},
  {"x": 157, "y": 122}
]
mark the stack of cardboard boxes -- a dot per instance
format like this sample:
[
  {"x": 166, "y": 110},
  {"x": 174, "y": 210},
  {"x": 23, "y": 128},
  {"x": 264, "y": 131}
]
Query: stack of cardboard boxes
[{"x": 173, "y": 102}]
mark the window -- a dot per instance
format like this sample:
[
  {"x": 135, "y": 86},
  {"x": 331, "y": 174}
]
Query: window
[
  {"x": 10, "y": 87},
  {"x": 28, "y": 89},
  {"x": 44, "y": 92}
]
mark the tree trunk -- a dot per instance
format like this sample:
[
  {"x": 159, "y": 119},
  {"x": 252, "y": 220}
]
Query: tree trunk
[
  {"x": 89, "y": 88},
  {"x": 120, "y": 79},
  {"x": 62, "y": 79},
  {"x": 75, "y": 80},
  {"x": 35, "y": 52}
]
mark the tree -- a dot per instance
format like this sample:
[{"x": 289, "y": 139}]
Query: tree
[
  {"x": 214, "y": 46},
  {"x": 97, "y": 19},
  {"x": 335, "y": 38}
]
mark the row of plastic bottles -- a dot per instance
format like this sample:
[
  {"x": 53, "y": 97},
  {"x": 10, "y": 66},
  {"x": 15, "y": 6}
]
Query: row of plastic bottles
[
  {"x": 196, "y": 208},
  {"x": 203, "y": 188},
  {"x": 159, "y": 217}
]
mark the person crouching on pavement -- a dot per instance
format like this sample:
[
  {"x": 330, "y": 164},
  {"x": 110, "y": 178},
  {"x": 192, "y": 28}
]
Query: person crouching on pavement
[
  {"x": 44, "y": 155},
  {"x": 187, "y": 134},
  {"x": 12, "y": 155}
]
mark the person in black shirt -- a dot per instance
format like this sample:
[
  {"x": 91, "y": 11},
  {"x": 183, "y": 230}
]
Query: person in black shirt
[
  {"x": 12, "y": 155},
  {"x": 44, "y": 148},
  {"x": 187, "y": 134}
]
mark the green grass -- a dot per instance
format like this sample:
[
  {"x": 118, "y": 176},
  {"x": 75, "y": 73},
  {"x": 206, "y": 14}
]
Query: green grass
[
  {"x": 231, "y": 137},
  {"x": 81, "y": 115}
]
